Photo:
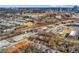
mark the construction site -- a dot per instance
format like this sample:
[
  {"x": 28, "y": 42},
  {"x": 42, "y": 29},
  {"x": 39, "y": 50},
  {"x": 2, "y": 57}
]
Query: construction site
[{"x": 39, "y": 30}]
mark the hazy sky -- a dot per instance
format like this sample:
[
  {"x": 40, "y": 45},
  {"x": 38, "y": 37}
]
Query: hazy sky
[{"x": 36, "y": 5}]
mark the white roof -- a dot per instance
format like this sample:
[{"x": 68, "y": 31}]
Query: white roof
[
  {"x": 19, "y": 37},
  {"x": 73, "y": 33},
  {"x": 4, "y": 43}
]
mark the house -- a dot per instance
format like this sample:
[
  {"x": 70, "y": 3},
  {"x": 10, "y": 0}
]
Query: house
[
  {"x": 21, "y": 44},
  {"x": 11, "y": 50},
  {"x": 74, "y": 34},
  {"x": 4, "y": 43}
]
